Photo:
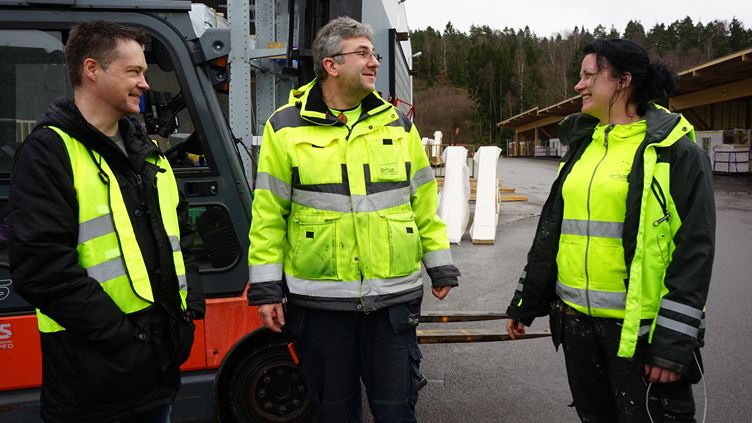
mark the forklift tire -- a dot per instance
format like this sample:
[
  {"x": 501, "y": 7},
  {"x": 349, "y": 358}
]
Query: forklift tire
[{"x": 267, "y": 386}]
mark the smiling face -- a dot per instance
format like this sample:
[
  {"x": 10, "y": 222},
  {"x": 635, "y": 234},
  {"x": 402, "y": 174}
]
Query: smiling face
[
  {"x": 356, "y": 75},
  {"x": 120, "y": 84},
  {"x": 598, "y": 88}
]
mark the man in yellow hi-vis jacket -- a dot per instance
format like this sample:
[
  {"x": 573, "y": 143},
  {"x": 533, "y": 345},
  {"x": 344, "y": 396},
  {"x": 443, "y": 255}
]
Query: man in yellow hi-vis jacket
[
  {"x": 343, "y": 215},
  {"x": 99, "y": 242}
]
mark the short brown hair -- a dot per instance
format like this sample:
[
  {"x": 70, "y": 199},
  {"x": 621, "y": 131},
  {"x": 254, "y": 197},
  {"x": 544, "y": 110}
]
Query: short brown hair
[{"x": 97, "y": 40}]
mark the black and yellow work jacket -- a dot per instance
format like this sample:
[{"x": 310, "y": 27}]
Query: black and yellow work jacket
[{"x": 647, "y": 261}]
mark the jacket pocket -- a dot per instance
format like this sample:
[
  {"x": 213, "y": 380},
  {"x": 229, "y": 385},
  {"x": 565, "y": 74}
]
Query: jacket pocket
[
  {"x": 385, "y": 160},
  {"x": 117, "y": 376},
  {"x": 405, "y": 248},
  {"x": 186, "y": 332},
  {"x": 318, "y": 161},
  {"x": 314, "y": 255},
  {"x": 405, "y": 316}
]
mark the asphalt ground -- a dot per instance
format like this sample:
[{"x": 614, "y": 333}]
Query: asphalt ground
[{"x": 525, "y": 380}]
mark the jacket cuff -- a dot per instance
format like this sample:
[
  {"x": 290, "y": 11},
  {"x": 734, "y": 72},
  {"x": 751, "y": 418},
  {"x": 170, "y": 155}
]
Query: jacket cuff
[
  {"x": 440, "y": 274},
  {"x": 666, "y": 364},
  {"x": 516, "y": 314},
  {"x": 265, "y": 293},
  {"x": 445, "y": 282}
]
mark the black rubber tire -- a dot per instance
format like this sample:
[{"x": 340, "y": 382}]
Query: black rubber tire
[{"x": 267, "y": 386}]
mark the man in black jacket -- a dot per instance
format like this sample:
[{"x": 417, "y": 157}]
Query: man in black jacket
[{"x": 111, "y": 343}]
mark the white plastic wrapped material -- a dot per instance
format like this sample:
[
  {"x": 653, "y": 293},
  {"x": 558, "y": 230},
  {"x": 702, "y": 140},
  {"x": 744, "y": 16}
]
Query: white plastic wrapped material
[
  {"x": 203, "y": 17},
  {"x": 486, "y": 192},
  {"x": 731, "y": 158},
  {"x": 454, "y": 198}
]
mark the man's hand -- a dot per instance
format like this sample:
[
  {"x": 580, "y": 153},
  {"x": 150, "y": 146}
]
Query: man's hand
[
  {"x": 441, "y": 292},
  {"x": 273, "y": 316},
  {"x": 657, "y": 374},
  {"x": 515, "y": 328}
]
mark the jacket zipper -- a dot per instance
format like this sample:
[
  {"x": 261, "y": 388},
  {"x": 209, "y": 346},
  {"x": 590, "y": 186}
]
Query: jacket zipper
[
  {"x": 661, "y": 197},
  {"x": 587, "y": 239}
]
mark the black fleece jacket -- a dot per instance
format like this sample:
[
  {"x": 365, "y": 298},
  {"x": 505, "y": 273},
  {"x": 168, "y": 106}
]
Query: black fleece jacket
[{"x": 43, "y": 226}]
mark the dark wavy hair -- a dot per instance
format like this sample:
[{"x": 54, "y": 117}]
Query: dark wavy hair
[{"x": 651, "y": 81}]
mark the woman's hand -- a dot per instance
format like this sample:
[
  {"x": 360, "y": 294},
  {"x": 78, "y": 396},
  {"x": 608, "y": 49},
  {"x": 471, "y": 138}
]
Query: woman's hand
[{"x": 515, "y": 328}]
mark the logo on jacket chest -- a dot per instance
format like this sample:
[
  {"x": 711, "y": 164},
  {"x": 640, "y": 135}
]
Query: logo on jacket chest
[
  {"x": 620, "y": 171},
  {"x": 389, "y": 169}
]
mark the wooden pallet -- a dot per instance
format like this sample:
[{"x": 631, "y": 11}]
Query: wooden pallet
[{"x": 513, "y": 197}]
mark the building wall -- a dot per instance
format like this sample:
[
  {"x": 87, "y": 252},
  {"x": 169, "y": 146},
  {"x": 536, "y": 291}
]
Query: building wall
[
  {"x": 384, "y": 15},
  {"x": 726, "y": 115}
]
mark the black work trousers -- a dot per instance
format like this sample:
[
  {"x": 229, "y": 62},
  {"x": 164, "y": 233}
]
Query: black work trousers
[
  {"x": 609, "y": 389},
  {"x": 338, "y": 349}
]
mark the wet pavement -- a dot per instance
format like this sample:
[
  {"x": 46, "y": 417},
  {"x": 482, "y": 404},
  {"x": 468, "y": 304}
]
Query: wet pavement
[{"x": 525, "y": 381}]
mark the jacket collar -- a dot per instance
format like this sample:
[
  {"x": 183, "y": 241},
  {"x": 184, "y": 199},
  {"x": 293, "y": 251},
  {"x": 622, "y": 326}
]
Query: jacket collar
[
  {"x": 663, "y": 127},
  {"x": 310, "y": 100},
  {"x": 64, "y": 114}
]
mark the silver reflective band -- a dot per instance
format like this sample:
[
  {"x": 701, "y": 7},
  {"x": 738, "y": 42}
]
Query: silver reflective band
[
  {"x": 265, "y": 272},
  {"x": 182, "y": 283},
  {"x": 643, "y": 330},
  {"x": 681, "y": 308},
  {"x": 94, "y": 228},
  {"x": 520, "y": 286},
  {"x": 381, "y": 200},
  {"x": 322, "y": 200},
  {"x": 353, "y": 289},
  {"x": 108, "y": 270},
  {"x": 597, "y": 228},
  {"x": 677, "y": 326},
  {"x": 598, "y": 299},
  {"x": 278, "y": 187},
  {"x": 420, "y": 178},
  {"x": 437, "y": 258},
  {"x": 174, "y": 243},
  {"x": 524, "y": 274}
]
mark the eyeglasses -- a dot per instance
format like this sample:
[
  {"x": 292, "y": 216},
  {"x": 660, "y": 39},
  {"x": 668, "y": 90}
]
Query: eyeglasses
[{"x": 362, "y": 53}]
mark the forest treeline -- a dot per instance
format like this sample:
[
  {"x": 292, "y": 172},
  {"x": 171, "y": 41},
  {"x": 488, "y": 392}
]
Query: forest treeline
[{"x": 465, "y": 83}]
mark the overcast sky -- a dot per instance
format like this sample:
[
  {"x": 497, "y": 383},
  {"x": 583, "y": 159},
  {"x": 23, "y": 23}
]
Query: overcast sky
[{"x": 547, "y": 17}]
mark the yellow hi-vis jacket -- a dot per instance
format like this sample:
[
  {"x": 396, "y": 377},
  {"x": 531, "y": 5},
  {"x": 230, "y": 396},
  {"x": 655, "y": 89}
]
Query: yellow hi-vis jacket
[
  {"x": 107, "y": 246},
  {"x": 346, "y": 214}
]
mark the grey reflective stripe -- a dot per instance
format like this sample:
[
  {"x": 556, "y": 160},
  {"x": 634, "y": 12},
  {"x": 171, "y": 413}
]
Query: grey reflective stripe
[
  {"x": 265, "y": 272},
  {"x": 597, "y": 228},
  {"x": 702, "y": 324},
  {"x": 681, "y": 308},
  {"x": 322, "y": 200},
  {"x": 94, "y": 228},
  {"x": 677, "y": 326},
  {"x": 175, "y": 243},
  {"x": 438, "y": 258},
  {"x": 358, "y": 203},
  {"x": 420, "y": 178},
  {"x": 182, "y": 283},
  {"x": 643, "y": 330},
  {"x": 519, "y": 287},
  {"x": 524, "y": 274},
  {"x": 277, "y": 186},
  {"x": 353, "y": 289},
  {"x": 598, "y": 299},
  {"x": 381, "y": 200},
  {"x": 110, "y": 269}
]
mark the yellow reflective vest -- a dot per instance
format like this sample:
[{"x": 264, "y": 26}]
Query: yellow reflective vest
[
  {"x": 107, "y": 246},
  {"x": 346, "y": 213}
]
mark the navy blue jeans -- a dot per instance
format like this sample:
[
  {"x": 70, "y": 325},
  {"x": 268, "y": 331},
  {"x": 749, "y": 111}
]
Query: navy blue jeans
[{"x": 338, "y": 349}]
